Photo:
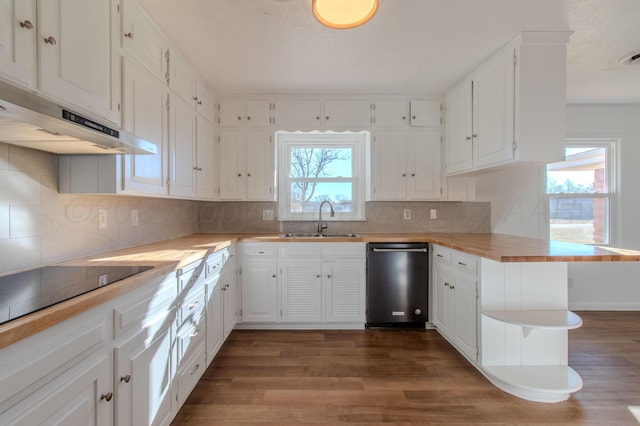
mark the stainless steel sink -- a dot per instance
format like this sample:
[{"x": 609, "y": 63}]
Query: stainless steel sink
[{"x": 317, "y": 235}]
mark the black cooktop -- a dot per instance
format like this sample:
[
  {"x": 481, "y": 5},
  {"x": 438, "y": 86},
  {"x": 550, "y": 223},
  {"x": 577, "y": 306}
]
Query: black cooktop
[{"x": 30, "y": 291}]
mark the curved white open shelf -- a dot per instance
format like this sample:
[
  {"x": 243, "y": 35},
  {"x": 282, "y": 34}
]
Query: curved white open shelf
[
  {"x": 548, "y": 319},
  {"x": 542, "y": 383}
]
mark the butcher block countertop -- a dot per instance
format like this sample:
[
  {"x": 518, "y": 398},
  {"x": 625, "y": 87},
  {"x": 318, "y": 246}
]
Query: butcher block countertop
[{"x": 167, "y": 256}]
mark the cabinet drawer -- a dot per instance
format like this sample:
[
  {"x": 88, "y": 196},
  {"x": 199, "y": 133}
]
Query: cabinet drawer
[
  {"x": 343, "y": 250},
  {"x": 259, "y": 250},
  {"x": 189, "y": 337},
  {"x": 190, "y": 372},
  {"x": 213, "y": 265},
  {"x": 465, "y": 262},
  {"x": 192, "y": 308},
  {"x": 441, "y": 254},
  {"x": 191, "y": 276}
]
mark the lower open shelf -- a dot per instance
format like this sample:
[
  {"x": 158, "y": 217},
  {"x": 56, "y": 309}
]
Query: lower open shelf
[{"x": 542, "y": 383}]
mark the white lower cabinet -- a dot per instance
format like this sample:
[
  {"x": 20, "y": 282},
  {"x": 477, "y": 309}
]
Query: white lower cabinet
[
  {"x": 301, "y": 285},
  {"x": 455, "y": 312}
]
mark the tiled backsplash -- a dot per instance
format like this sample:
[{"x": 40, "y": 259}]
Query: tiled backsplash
[
  {"x": 381, "y": 217},
  {"x": 38, "y": 226}
]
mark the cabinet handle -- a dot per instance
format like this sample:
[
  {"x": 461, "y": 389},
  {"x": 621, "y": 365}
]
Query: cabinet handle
[
  {"x": 126, "y": 378},
  {"x": 223, "y": 289},
  {"x": 50, "y": 40},
  {"x": 194, "y": 304},
  {"x": 475, "y": 136},
  {"x": 317, "y": 275},
  {"x": 195, "y": 333},
  {"x": 129, "y": 35},
  {"x": 468, "y": 138},
  {"x": 273, "y": 276},
  {"x": 439, "y": 255},
  {"x": 462, "y": 264},
  {"x": 106, "y": 396},
  {"x": 226, "y": 286},
  {"x": 451, "y": 287},
  {"x": 192, "y": 372},
  {"x": 26, "y": 24},
  {"x": 446, "y": 284},
  {"x": 199, "y": 102}
]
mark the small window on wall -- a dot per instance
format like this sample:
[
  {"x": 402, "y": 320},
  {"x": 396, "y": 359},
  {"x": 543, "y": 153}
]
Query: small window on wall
[
  {"x": 581, "y": 193},
  {"x": 314, "y": 167}
]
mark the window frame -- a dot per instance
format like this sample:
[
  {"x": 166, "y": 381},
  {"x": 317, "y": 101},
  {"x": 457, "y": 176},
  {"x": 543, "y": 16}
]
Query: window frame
[
  {"x": 359, "y": 142},
  {"x": 611, "y": 145}
]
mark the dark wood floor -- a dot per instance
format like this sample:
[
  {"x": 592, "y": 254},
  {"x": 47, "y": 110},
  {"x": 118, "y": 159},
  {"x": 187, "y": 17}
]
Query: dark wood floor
[{"x": 406, "y": 377}]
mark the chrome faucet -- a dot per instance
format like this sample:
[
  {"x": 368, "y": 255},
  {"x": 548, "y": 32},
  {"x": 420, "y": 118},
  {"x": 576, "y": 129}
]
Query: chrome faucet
[{"x": 323, "y": 226}]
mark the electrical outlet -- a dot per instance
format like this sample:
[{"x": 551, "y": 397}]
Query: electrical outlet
[
  {"x": 102, "y": 280},
  {"x": 134, "y": 217},
  {"x": 102, "y": 219},
  {"x": 407, "y": 214},
  {"x": 433, "y": 214},
  {"x": 267, "y": 214}
]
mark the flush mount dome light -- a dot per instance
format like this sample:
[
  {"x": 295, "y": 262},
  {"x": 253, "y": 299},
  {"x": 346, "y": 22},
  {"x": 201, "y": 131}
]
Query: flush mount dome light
[{"x": 343, "y": 14}]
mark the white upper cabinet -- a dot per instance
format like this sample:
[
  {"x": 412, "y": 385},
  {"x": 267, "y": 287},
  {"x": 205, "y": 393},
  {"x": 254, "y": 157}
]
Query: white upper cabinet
[
  {"x": 391, "y": 113},
  {"x": 18, "y": 41},
  {"x": 182, "y": 143},
  {"x": 258, "y": 113},
  {"x": 511, "y": 110},
  {"x": 182, "y": 77},
  {"x": 424, "y": 171},
  {"x": 252, "y": 113},
  {"x": 205, "y": 102},
  {"x": 298, "y": 114},
  {"x": 142, "y": 40},
  {"x": 205, "y": 159},
  {"x": 425, "y": 113},
  {"x": 351, "y": 114}
]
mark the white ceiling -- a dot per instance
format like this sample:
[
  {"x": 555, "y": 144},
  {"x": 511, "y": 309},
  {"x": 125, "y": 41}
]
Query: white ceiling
[{"x": 409, "y": 47}]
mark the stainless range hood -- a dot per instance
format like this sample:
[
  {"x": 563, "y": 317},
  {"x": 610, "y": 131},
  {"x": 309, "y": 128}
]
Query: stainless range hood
[{"x": 29, "y": 120}]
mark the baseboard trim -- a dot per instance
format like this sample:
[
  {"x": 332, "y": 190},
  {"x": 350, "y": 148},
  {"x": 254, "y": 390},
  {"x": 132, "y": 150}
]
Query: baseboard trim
[{"x": 599, "y": 306}]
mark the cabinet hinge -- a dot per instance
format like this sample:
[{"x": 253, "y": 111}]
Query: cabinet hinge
[
  {"x": 118, "y": 107},
  {"x": 372, "y": 106},
  {"x": 441, "y": 191},
  {"x": 118, "y": 8},
  {"x": 515, "y": 57},
  {"x": 240, "y": 313},
  {"x": 514, "y": 146},
  {"x": 280, "y": 312},
  {"x": 167, "y": 103},
  {"x": 373, "y": 120}
]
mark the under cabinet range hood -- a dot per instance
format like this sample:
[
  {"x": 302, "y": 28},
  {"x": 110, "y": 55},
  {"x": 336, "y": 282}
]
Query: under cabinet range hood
[{"x": 29, "y": 120}]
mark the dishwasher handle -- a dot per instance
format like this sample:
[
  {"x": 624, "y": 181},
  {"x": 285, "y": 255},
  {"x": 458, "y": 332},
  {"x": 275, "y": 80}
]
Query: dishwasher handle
[{"x": 408, "y": 250}]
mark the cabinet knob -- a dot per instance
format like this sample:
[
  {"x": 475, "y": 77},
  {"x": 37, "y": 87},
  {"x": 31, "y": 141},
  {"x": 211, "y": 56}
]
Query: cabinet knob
[
  {"x": 468, "y": 138},
  {"x": 451, "y": 287},
  {"x": 248, "y": 117},
  {"x": 413, "y": 117},
  {"x": 239, "y": 118},
  {"x": 199, "y": 169},
  {"x": 404, "y": 175},
  {"x": 446, "y": 284},
  {"x": 248, "y": 174},
  {"x": 404, "y": 117},
  {"x": 26, "y": 24},
  {"x": 413, "y": 175},
  {"x": 239, "y": 174},
  {"x": 273, "y": 276},
  {"x": 50, "y": 40},
  {"x": 106, "y": 396},
  {"x": 317, "y": 117},
  {"x": 199, "y": 102},
  {"x": 317, "y": 275},
  {"x": 192, "y": 372},
  {"x": 126, "y": 378},
  {"x": 475, "y": 136},
  {"x": 328, "y": 275},
  {"x": 327, "y": 117},
  {"x": 129, "y": 35}
]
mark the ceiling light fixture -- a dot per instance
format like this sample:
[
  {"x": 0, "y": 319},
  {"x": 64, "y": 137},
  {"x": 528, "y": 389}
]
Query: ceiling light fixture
[{"x": 344, "y": 14}]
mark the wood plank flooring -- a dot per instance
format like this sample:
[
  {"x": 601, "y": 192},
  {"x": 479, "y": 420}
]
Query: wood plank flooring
[{"x": 405, "y": 377}]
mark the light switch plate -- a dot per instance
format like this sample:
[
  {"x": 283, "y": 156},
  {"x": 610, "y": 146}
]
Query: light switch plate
[
  {"x": 267, "y": 214},
  {"x": 134, "y": 217},
  {"x": 407, "y": 214},
  {"x": 102, "y": 219},
  {"x": 433, "y": 214}
]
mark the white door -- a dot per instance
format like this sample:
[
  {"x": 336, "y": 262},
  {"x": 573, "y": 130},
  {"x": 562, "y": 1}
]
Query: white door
[
  {"x": 143, "y": 379},
  {"x": 425, "y": 113},
  {"x": 229, "y": 301},
  {"x": 459, "y": 130},
  {"x": 76, "y": 61},
  {"x": 424, "y": 165},
  {"x": 342, "y": 114},
  {"x": 142, "y": 41},
  {"x": 464, "y": 294},
  {"x": 493, "y": 114},
  {"x": 145, "y": 115},
  {"x": 232, "y": 164},
  {"x": 205, "y": 159},
  {"x": 298, "y": 115},
  {"x": 182, "y": 143},
  {"x": 260, "y": 174},
  {"x": 232, "y": 114},
  {"x": 389, "y": 172},
  {"x": 259, "y": 291},
  {"x": 18, "y": 41},
  {"x": 301, "y": 284},
  {"x": 391, "y": 113},
  {"x": 215, "y": 318},
  {"x": 441, "y": 295},
  {"x": 344, "y": 288},
  {"x": 258, "y": 113}
]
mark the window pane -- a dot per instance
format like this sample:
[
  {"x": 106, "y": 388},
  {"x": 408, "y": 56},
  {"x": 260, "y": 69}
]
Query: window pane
[
  {"x": 307, "y": 196},
  {"x": 320, "y": 162},
  {"x": 579, "y": 220},
  {"x": 583, "y": 171}
]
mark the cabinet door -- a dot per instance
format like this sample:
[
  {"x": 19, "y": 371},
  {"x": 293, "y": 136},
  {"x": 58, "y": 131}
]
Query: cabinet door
[
  {"x": 215, "y": 318},
  {"x": 231, "y": 114},
  {"x": 77, "y": 64},
  {"x": 258, "y": 113},
  {"x": 301, "y": 285},
  {"x": 441, "y": 295},
  {"x": 232, "y": 154},
  {"x": 205, "y": 159},
  {"x": 259, "y": 291},
  {"x": 182, "y": 77},
  {"x": 145, "y": 115},
  {"x": 425, "y": 113},
  {"x": 344, "y": 291},
  {"x": 83, "y": 399},
  {"x": 260, "y": 174},
  {"x": 18, "y": 41},
  {"x": 391, "y": 113},
  {"x": 230, "y": 300},
  {"x": 389, "y": 173},
  {"x": 298, "y": 115},
  {"x": 142, "y": 41},
  {"x": 459, "y": 131},
  {"x": 424, "y": 178},
  {"x": 465, "y": 311},
  {"x": 493, "y": 113},
  {"x": 144, "y": 376},
  {"x": 341, "y": 114},
  {"x": 182, "y": 143},
  {"x": 205, "y": 102}
]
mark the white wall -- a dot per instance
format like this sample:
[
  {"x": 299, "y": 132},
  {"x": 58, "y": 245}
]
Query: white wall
[{"x": 516, "y": 198}]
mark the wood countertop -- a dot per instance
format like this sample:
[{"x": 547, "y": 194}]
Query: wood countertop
[{"x": 170, "y": 255}]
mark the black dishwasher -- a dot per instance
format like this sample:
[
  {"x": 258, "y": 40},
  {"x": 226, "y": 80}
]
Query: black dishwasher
[{"x": 397, "y": 284}]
